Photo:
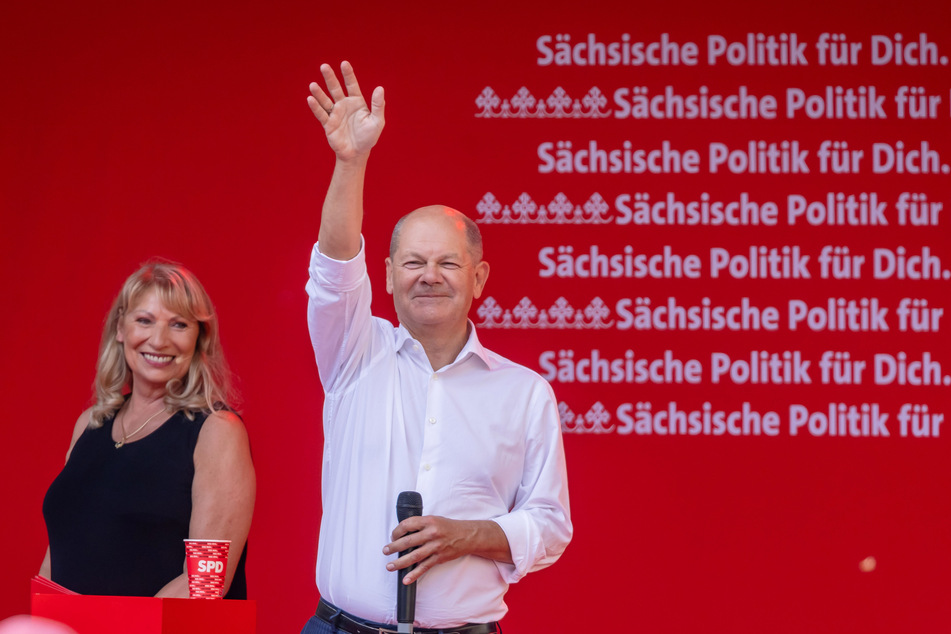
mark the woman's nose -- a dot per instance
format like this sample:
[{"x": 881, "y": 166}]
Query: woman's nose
[{"x": 158, "y": 337}]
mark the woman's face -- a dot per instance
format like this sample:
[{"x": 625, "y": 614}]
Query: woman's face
[{"x": 159, "y": 343}]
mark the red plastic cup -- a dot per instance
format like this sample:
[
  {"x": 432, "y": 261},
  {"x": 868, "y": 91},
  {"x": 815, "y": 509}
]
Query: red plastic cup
[{"x": 207, "y": 562}]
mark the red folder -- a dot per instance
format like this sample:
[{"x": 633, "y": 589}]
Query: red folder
[{"x": 41, "y": 585}]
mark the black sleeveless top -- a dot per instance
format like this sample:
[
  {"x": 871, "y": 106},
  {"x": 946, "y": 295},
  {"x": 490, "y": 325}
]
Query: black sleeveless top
[{"x": 116, "y": 518}]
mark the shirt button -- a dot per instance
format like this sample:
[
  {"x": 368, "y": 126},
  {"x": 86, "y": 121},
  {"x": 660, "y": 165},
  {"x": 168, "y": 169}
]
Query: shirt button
[
  {"x": 435, "y": 377},
  {"x": 427, "y": 466},
  {"x": 415, "y": 346},
  {"x": 432, "y": 421}
]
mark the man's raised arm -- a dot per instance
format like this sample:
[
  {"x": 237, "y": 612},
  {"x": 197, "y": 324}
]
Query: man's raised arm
[{"x": 352, "y": 130}]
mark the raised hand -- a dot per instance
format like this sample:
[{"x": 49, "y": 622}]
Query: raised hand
[{"x": 352, "y": 128}]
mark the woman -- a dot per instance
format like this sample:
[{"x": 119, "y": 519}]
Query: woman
[{"x": 160, "y": 457}]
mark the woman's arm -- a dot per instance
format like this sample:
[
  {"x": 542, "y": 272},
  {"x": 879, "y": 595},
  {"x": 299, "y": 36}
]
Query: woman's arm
[
  {"x": 222, "y": 493},
  {"x": 45, "y": 566}
]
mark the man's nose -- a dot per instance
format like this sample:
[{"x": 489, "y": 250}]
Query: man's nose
[{"x": 432, "y": 274}]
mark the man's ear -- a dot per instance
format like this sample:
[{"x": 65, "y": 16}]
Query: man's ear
[
  {"x": 389, "y": 275},
  {"x": 481, "y": 275}
]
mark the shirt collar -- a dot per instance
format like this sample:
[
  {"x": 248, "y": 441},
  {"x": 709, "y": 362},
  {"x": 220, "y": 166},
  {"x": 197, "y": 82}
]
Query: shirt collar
[{"x": 473, "y": 346}]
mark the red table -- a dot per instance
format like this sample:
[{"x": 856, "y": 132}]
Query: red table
[{"x": 89, "y": 614}]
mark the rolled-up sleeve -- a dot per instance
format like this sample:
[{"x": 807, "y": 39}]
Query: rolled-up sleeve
[
  {"x": 338, "y": 313},
  {"x": 538, "y": 527}
]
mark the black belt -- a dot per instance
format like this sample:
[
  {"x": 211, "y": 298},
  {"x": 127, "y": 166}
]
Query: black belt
[{"x": 354, "y": 625}]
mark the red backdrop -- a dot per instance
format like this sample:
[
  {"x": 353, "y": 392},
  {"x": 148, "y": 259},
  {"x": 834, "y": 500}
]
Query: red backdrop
[{"x": 181, "y": 130}]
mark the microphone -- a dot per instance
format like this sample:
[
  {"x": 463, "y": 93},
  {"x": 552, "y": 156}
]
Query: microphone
[{"x": 408, "y": 504}]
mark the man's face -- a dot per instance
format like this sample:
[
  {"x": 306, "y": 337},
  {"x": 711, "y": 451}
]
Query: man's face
[{"x": 432, "y": 275}]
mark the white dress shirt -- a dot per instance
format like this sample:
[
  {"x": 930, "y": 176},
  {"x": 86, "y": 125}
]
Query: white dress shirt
[{"x": 478, "y": 439}]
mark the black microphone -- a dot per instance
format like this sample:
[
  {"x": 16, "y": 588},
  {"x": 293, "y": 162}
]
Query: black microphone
[{"x": 408, "y": 504}]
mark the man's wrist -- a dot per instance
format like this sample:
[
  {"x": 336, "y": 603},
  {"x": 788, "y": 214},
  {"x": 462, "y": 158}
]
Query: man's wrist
[{"x": 353, "y": 161}]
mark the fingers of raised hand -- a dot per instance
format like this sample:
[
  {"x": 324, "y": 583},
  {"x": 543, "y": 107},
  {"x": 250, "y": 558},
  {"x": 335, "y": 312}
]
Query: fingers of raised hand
[
  {"x": 350, "y": 79},
  {"x": 333, "y": 84},
  {"x": 377, "y": 103},
  {"x": 320, "y": 104}
]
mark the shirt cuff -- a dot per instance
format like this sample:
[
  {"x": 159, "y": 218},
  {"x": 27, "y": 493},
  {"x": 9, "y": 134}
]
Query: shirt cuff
[
  {"x": 517, "y": 530},
  {"x": 337, "y": 274}
]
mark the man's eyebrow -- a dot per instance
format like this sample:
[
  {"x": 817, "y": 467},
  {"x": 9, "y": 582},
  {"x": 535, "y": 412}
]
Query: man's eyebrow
[{"x": 443, "y": 256}]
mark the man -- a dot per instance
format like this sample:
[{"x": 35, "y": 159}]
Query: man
[{"x": 420, "y": 407}]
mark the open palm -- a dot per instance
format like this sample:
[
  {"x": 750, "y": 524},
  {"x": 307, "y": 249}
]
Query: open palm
[{"x": 352, "y": 128}]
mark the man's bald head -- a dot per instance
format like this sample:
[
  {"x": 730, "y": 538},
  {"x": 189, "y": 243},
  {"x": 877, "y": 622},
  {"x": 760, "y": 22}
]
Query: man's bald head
[{"x": 441, "y": 213}]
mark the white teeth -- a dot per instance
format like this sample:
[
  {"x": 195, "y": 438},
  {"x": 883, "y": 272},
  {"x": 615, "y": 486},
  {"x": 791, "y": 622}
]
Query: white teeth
[{"x": 157, "y": 358}]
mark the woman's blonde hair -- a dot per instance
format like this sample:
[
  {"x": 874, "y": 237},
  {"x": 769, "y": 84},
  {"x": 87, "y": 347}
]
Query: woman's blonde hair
[{"x": 207, "y": 384}]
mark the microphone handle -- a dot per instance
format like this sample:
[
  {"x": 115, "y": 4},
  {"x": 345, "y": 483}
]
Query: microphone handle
[
  {"x": 406, "y": 609},
  {"x": 408, "y": 504}
]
